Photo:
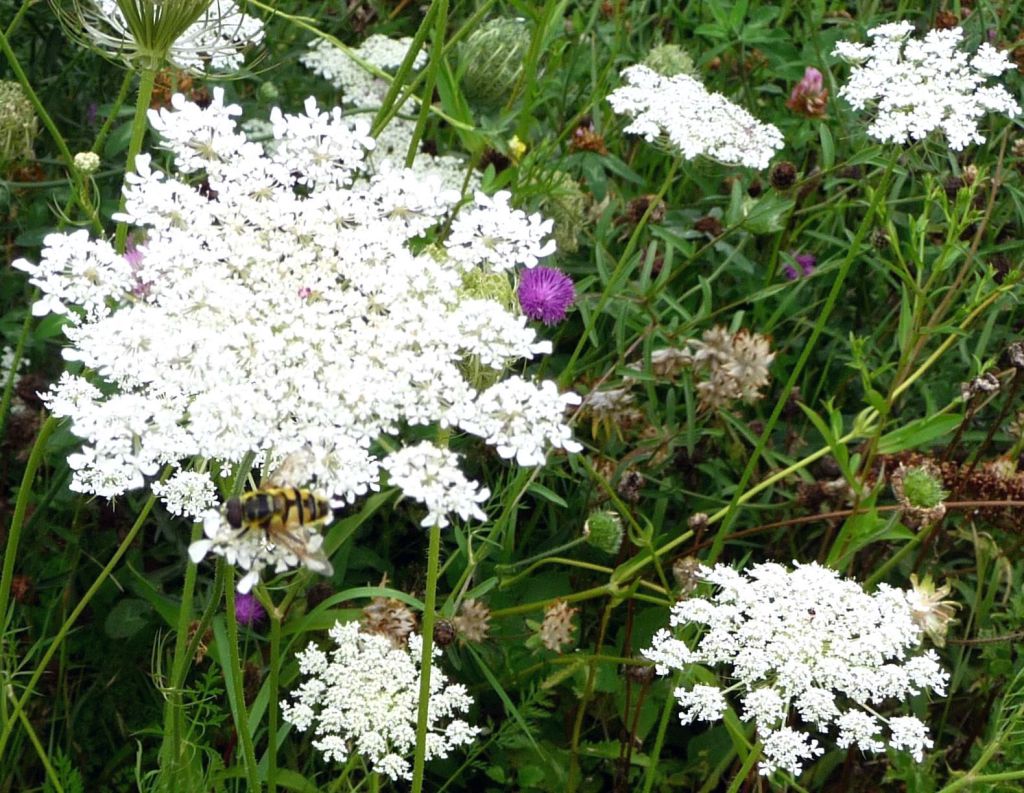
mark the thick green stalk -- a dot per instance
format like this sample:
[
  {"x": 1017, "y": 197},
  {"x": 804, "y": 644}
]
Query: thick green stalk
[
  {"x": 429, "y": 603},
  {"x": 659, "y": 738},
  {"x": 69, "y": 623},
  {"x": 272, "y": 703},
  {"x": 18, "y": 520},
  {"x": 147, "y": 78},
  {"x": 436, "y": 60},
  {"x": 174, "y": 715},
  {"x": 241, "y": 713}
]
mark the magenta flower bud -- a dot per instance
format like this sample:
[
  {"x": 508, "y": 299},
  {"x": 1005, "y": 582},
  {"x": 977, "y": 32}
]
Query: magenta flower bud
[
  {"x": 809, "y": 97},
  {"x": 545, "y": 293},
  {"x": 807, "y": 261}
]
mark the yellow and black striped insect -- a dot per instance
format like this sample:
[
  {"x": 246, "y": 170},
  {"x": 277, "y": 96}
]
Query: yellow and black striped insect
[{"x": 287, "y": 515}]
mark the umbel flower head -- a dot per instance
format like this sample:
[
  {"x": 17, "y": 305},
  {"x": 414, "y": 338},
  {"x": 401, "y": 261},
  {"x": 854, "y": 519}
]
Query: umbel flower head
[
  {"x": 806, "y": 653},
  {"x": 916, "y": 86},
  {"x": 692, "y": 119},
  {"x": 196, "y": 35},
  {"x": 283, "y": 310},
  {"x": 363, "y": 697}
]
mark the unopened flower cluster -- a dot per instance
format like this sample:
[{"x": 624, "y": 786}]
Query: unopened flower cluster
[
  {"x": 916, "y": 86},
  {"x": 273, "y": 306},
  {"x": 694, "y": 120},
  {"x": 363, "y": 697},
  {"x": 805, "y": 653}
]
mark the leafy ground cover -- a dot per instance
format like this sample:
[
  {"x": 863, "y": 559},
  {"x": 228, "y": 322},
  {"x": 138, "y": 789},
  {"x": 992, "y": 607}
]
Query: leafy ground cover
[{"x": 504, "y": 396}]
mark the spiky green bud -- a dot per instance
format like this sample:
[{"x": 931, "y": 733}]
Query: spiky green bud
[
  {"x": 18, "y": 123},
  {"x": 492, "y": 61},
  {"x": 923, "y": 488},
  {"x": 603, "y": 530},
  {"x": 670, "y": 60},
  {"x": 566, "y": 204}
]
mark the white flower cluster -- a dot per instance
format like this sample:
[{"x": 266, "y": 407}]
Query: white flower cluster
[
  {"x": 274, "y": 305},
  {"x": 498, "y": 235},
  {"x": 364, "y": 91},
  {"x": 214, "y": 42},
  {"x": 920, "y": 85},
  {"x": 360, "y": 87},
  {"x": 806, "y": 641},
  {"x": 363, "y": 697},
  {"x": 694, "y": 120}
]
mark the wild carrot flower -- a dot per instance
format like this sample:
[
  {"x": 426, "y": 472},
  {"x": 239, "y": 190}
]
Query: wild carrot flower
[
  {"x": 692, "y": 119},
  {"x": 545, "y": 293},
  {"x": 804, "y": 651},
  {"x": 916, "y": 86},
  {"x": 286, "y": 309},
  {"x": 362, "y": 697},
  {"x": 809, "y": 97}
]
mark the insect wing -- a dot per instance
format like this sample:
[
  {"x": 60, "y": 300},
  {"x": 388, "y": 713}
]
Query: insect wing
[
  {"x": 293, "y": 471},
  {"x": 308, "y": 550}
]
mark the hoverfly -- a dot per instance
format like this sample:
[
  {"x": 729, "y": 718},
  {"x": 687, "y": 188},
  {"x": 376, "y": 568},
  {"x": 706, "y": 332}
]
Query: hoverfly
[{"x": 288, "y": 516}]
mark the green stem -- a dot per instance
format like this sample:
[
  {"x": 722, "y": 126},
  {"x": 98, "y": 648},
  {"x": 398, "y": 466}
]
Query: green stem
[
  {"x": 147, "y": 77},
  {"x": 426, "y": 658},
  {"x": 752, "y": 757},
  {"x": 108, "y": 123},
  {"x": 20, "y": 507},
  {"x": 237, "y": 679},
  {"x": 272, "y": 703},
  {"x": 18, "y": 17},
  {"x": 659, "y": 738},
  {"x": 51, "y": 774},
  {"x": 436, "y": 60},
  {"x": 170, "y": 752},
  {"x": 69, "y": 623}
]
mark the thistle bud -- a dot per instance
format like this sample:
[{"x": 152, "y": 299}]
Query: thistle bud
[
  {"x": 670, "y": 60},
  {"x": 603, "y": 530},
  {"x": 566, "y": 204},
  {"x": 492, "y": 60},
  {"x": 920, "y": 493},
  {"x": 18, "y": 123}
]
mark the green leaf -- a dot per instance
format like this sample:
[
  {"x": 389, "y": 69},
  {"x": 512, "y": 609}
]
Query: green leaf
[
  {"x": 127, "y": 618},
  {"x": 919, "y": 433},
  {"x": 548, "y": 495},
  {"x": 828, "y": 146}
]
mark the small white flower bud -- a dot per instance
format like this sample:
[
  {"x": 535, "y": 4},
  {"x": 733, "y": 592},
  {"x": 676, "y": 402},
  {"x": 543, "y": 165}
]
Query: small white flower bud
[{"x": 87, "y": 162}]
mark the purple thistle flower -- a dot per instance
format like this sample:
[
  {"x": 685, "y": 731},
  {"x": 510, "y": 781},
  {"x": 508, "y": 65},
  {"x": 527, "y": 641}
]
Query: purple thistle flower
[
  {"x": 248, "y": 610},
  {"x": 545, "y": 293},
  {"x": 806, "y": 262}
]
